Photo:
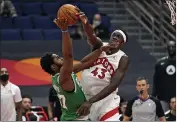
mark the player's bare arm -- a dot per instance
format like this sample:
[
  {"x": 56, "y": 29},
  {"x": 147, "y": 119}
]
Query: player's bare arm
[
  {"x": 67, "y": 68},
  {"x": 92, "y": 39},
  {"x": 88, "y": 60},
  {"x": 19, "y": 110},
  {"x": 115, "y": 82}
]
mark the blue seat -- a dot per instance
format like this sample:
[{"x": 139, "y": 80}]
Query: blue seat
[
  {"x": 32, "y": 8},
  {"x": 18, "y": 8},
  {"x": 106, "y": 21},
  {"x": 89, "y": 8},
  {"x": 32, "y": 34},
  {"x": 52, "y": 34},
  {"x": 23, "y": 22},
  {"x": 6, "y": 23},
  {"x": 51, "y": 8},
  {"x": 43, "y": 22},
  {"x": 10, "y": 34}
]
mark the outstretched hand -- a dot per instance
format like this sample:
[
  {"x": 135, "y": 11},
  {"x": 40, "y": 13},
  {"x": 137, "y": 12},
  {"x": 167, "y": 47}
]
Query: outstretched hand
[
  {"x": 81, "y": 15},
  {"x": 84, "y": 109},
  {"x": 61, "y": 23}
]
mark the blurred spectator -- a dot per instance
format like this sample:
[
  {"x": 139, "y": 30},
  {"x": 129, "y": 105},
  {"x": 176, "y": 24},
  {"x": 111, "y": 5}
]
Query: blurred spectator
[
  {"x": 7, "y": 9},
  {"x": 123, "y": 106},
  {"x": 10, "y": 98},
  {"x": 165, "y": 77},
  {"x": 26, "y": 107},
  {"x": 143, "y": 107},
  {"x": 31, "y": 113},
  {"x": 100, "y": 30},
  {"x": 54, "y": 108},
  {"x": 171, "y": 114},
  {"x": 77, "y": 32}
]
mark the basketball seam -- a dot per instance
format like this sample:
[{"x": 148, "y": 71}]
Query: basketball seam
[
  {"x": 73, "y": 19},
  {"x": 66, "y": 14}
]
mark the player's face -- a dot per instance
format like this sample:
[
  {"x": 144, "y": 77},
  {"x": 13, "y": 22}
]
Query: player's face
[
  {"x": 26, "y": 103},
  {"x": 171, "y": 47},
  {"x": 142, "y": 85},
  {"x": 57, "y": 60},
  {"x": 117, "y": 38},
  {"x": 173, "y": 104}
]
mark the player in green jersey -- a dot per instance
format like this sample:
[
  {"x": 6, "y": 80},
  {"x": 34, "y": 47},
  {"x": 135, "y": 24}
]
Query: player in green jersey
[{"x": 63, "y": 71}]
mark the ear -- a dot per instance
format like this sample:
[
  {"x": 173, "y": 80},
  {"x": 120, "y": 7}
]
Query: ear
[
  {"x": 136, "y": 88},
  {"x": 148, "y": 86}
]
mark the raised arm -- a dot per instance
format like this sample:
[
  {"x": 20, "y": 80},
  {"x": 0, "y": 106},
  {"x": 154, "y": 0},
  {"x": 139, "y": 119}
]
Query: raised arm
[
  {"x": 92, "y": 39},
  {"x": 67, "y": 68}
]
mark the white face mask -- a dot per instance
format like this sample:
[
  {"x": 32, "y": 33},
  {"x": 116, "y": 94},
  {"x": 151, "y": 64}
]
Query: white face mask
[{"x": 96, "y": 22}]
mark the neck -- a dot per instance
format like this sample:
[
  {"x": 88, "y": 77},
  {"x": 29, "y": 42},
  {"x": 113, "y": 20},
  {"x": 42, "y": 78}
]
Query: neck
[
  {"x": 173, "y": 112},
  {"x": 25, "y": 111},
  {"x": 112, "y": 51},
  {"x": 3, "y": 83},
  {"x": 144, "y": 96}
]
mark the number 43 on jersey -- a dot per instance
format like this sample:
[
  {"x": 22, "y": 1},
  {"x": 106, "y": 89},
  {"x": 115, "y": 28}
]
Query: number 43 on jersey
[{"x": 99, "y": 75}]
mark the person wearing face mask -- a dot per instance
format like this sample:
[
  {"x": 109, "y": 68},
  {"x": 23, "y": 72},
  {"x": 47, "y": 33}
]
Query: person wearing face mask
[
  {"x": 11, "y": 100},
  {"x": 99, "y": 29},
  {"x": 164, "y": 84},
  {"x": 143, "y": 107}
]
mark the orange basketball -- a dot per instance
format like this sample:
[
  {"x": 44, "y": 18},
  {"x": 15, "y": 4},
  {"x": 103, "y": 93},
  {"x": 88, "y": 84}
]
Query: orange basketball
[{"x": 68, "y": 11}]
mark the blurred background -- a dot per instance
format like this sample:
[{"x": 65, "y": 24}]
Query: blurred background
[{"x": 27, "y": 32}]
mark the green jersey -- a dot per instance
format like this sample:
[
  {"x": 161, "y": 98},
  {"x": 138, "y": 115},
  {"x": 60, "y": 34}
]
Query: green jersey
[{"x": 70, "y": 101}]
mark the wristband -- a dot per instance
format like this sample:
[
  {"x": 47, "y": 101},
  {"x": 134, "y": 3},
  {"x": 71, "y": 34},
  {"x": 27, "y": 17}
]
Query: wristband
[{"x": 64, "y": 31}]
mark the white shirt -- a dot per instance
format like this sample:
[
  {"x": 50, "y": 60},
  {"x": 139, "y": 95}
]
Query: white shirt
[{"x": 10, "y": 94}]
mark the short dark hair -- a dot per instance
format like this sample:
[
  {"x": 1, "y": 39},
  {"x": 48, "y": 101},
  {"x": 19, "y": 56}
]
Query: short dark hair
[
  {"x": 27, "y": 96},
  {"x": 46, "y": 61},
  {"x": 142, "y": 78}
]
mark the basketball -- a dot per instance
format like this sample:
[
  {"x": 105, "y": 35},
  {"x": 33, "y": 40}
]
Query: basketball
[{"x": 68, "y": 11}]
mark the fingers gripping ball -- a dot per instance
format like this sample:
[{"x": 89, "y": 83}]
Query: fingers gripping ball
[{"x": 68, "y": 12}]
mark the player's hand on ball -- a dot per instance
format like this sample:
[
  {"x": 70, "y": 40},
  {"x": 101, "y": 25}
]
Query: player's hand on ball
[
  {"x": 81, "y": 15},
  {"x": 84, "y": 109},
  {"x": 61, "y": 23}
]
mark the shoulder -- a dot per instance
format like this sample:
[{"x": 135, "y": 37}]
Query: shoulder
[
  {"x": 122, "y": 54},
  {"x": 159, "y": 61},
  {"x": 124, "y": 58},
  {"x": 133, "y": 100},
  {"x": 13, "y": 86},
  {"x": 157, "y": 102},
  {"x": 154, "y": 99}
]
